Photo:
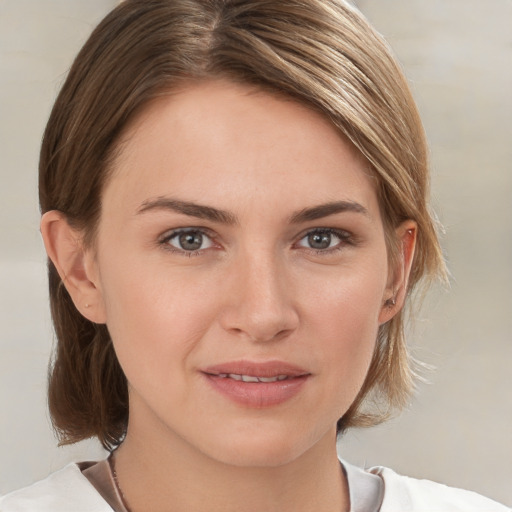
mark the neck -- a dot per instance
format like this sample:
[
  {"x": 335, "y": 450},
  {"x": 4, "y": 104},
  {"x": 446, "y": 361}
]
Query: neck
[{"x": 172, "y": 475}]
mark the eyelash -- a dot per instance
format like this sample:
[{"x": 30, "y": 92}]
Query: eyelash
[
  {"x": 345, "y": 238},
  {"x": 166, "y": 239}
]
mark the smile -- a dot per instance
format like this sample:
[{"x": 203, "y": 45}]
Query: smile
[
  {"x": 256, "y": 384},
  {"x": 252, "y": 378}
]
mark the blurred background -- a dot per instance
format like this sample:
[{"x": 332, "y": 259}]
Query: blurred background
[{"x": 458, "y": 57}]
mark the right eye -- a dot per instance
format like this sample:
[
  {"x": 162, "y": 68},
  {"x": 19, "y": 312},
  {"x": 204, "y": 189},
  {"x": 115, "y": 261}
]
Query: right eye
[{"x": 188, "y": 241}]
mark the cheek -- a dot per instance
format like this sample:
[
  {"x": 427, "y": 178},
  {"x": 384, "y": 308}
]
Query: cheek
[
  {"x": 155, "y": 314},
  {"x": 344, "y": 319},
  {"x": 348, "y": 301},
  {"x": 348, "y": 333}
]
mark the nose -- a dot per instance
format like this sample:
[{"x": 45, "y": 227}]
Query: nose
[{"x": 259, "y": 299}]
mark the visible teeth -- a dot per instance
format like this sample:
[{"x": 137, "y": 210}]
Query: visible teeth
[
  {"x": 249, "y": 378},
  {"x": 273, "y": 379},
  {"x": 252, "y": 378},
  {"x": 268, "y": 379}
]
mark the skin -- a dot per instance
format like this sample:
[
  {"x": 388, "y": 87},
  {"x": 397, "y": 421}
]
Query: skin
[{"x": 255, "y": 289}]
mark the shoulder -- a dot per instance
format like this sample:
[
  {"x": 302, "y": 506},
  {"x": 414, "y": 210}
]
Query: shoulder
[
  {"x": 402, "y": 493},
  {"x": 62, "y": 491}
]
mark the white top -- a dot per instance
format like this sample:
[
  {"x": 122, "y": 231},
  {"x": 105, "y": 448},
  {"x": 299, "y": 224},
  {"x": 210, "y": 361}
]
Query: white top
[{"x": 68, "y": 490}]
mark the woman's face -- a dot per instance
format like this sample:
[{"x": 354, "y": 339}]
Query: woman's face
[{"x": 240, "y": 240}]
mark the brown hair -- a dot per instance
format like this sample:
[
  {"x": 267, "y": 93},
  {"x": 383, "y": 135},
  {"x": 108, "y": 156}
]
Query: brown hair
[{"x": 320, "y": 52}]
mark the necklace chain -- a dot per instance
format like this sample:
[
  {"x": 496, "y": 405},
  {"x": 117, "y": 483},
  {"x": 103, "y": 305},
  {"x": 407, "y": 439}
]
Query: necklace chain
[{"x": 112, "y": 465}]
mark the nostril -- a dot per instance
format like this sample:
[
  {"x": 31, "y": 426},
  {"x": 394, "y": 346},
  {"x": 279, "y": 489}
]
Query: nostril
[{"x": 258, "y": 301}]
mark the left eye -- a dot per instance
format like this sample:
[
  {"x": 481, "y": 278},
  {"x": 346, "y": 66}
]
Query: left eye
[
  {"x": 322, "y": 239},
  {"x": 190, "y": 240}
]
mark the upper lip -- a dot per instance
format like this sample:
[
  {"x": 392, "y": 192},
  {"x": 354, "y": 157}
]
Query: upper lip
[{"x": 256, "y": 369}]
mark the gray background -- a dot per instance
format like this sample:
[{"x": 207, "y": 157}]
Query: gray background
[{"x": 458, "y": 56}]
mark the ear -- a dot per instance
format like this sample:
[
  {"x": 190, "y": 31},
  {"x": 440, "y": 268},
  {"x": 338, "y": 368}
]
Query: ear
[
  {"x": 396, "y": 290},
  {"x": 75, "y": 264}
]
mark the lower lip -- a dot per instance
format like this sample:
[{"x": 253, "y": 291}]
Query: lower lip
[{"x": 257, "y": 394}]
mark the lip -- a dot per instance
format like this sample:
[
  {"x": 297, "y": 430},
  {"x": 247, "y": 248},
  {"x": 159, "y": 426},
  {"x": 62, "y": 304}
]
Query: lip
[{"x": 257, "y": 394}]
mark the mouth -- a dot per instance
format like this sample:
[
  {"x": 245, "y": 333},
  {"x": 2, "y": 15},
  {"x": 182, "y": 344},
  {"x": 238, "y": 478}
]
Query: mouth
[
  {"x": 251, "y": 378},
  {"x": 241, "y": 370},
  {"x": 257, "y": 384}
]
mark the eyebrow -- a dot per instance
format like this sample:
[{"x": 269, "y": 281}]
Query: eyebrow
[
  {"x": 224, "y": 217},
  {"x": 324, "y": 210},
  {"x": 188, "y": 208}
]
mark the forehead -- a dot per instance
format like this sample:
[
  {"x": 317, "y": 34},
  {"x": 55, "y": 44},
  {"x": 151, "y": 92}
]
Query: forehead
[{"x": 219, "y": 141}]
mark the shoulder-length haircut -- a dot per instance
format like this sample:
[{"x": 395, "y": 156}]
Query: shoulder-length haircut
[{"x": 322, "y": 53}]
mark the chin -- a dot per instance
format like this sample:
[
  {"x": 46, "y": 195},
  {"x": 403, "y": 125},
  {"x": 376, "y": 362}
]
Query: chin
[
  {"x": 249, "y": 457},
  {"x": 266, "y": 448}
]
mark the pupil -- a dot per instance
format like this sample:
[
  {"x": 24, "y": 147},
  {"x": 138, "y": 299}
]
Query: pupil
[
  {"x": 191, "y": 241},
  {"x": 319, "y": 240}
]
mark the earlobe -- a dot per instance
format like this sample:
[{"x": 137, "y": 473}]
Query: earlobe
[
  {"x": 396, "y": 291},
  {"x": 74, "y": 263}
]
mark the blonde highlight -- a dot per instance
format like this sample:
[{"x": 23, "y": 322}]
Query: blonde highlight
[{"x": 322, "y": 53}]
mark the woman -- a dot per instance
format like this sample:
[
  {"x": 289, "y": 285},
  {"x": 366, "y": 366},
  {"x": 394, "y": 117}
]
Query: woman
[{"x": 235, "y": 208}]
